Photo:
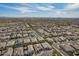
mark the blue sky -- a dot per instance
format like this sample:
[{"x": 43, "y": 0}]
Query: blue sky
[{"x": 39, "y": 10}]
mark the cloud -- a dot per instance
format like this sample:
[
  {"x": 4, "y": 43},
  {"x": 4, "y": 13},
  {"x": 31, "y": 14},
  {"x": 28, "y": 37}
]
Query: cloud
[
  {"x": 51, "y": 6},
  {"x": 66, "y": 14},
  {"x": 45, "y": 8},
  {"x": 24, "y": 9},
  {"x": 20, "y": 9},
  {"x": 50, "y": 10},
  {"x": 71, "y": 6},
  {"x": 67, "y": 11}
]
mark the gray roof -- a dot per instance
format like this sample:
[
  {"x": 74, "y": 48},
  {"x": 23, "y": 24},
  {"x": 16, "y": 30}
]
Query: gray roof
[
  {"x": 76, "y": 46},
  {"x": 67, "y": 48}
]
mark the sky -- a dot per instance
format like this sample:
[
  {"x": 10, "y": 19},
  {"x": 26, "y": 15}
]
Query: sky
[{"x": 70, "y": 10}]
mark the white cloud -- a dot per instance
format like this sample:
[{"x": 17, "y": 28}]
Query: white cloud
[
  {"x": 71, "y": 6},
  {"x": 63, "y": 13},
  {"x": 51, "y": 6},
  {"x": 66, "y": 12},
  {"x": 20, "y": 9},
  {"x": 44, "y": 8}
]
